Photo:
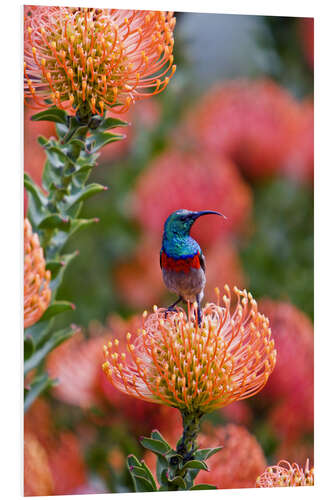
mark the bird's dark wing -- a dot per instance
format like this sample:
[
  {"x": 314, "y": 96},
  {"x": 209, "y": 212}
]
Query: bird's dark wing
[{"x": 202, "y": 261}]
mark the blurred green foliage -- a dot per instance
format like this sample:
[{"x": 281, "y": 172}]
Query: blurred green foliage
[{"x": 278, "y": 259}]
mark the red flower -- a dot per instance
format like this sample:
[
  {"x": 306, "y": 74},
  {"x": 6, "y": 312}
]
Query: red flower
[
  {"x": 93, "y": 59},
  {"x": 239, "y": 462},
  {"x": 253, "y": 122},
  {"x": 290, "y": 387},
  {"x": 299, "y": 159},
  {"x": 195, "y": 181}
]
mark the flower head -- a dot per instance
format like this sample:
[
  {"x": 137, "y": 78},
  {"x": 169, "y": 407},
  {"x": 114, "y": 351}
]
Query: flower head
[
  {"x": 292, "y": 413},
  {"x": 198, "y": 180},
  {"x": 37, "y": 293},
  {"x": 252, "y": 122},
  {"x": 285, "y": 474},
  {"x": 176, "y": 362},
  {"x": 94, "y": 59},
  {"x": 239, "y": 462}
]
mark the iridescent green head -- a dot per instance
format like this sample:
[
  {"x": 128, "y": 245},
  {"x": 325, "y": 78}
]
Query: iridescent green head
[{"x": 180, "y": 222}]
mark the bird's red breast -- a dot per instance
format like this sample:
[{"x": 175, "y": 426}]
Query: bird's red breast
[{"x": 183, "y": 264}]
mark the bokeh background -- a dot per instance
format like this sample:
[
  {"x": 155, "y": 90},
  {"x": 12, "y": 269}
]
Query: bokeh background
[{"x": 232, "y": 132}]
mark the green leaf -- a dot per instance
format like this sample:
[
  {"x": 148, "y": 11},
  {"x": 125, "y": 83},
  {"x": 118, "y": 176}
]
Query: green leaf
[
  {"x": 158, "y": 436},
  {"x": 28, "y": 347},
  {"x": 99, "y": 140},
  {"x": 142, "y": 485},
  {"x": 205, "y": 453},
  {"x": 109, "y": 123},
  {"x": 161, "y": 468},
  {"x": 148, "y": 473},
  {"x": 38, "y": 356},
  {"x": 37, "y": 201},
  {"x": 57, "y": 307},
  {"x": 81, "y": 223},
  {"x": 52, "y": 114},
  {"x": 83, "y": 194},
  {"x": 57, "y": 280},
  {"x": 132, "y": 461},
  {"x": 39, "y": 385},
  {"x": 139, "y": 475},
  {"x": 55, "y": 221},
  {"x": 61, "y": 129},
  {"x": 38, "y": 331},
  {"x": 195, "y": 464},
  {"x": 155, "y": 445},
  {"x": 203, "y": 487},
  {"x": 179, "y": 482}
]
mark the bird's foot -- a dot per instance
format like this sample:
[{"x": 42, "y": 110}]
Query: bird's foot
[
  {"x": 169, "y": 309},
  {"x": 172, "y": 308},
  {"x": 199, "y": 312}
]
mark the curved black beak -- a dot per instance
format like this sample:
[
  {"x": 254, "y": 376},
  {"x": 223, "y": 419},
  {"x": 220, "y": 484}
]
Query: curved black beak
[{"x": 196, "y": 215}]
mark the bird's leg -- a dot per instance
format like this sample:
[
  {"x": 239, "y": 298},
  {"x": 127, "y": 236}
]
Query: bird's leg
[
  {"x": 172, "y": 307},
  {"x": 199, "y": 310}
]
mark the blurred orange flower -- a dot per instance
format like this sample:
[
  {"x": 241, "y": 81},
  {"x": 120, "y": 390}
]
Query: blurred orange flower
[
  {"x": 196, "y": 181},
  {"x": 239, "y": 462},
  {"x": 96, "y": 58},
  {"x": 38, "y": 479},
  {"x": 252, "y": 122},
  {"x": 77, "y": 364},
  {"x": 285, "y": 474},
  {"x": 176, "y": 362},
  {"x": 37, "y": 294},
  {"x": 54, "y": 457}
]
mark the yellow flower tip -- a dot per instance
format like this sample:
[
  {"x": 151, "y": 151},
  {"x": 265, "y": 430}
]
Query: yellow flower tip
[
  {"x": 145, "y": 314},
  {"x": 128, "y": 336},
  {"x": 106, "y": 366},
  {"x": 155, "y": 308},
  {"x": 116, "y": 342}
]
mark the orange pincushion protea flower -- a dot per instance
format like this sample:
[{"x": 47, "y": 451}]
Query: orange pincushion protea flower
[
  {"x": 285, "y": 474},
  {"x": 239, "y": 462},
  {"x": 96, "y": 58},
  {"x": 37, "y": 293},
  {"x": 174, "y": 361}
]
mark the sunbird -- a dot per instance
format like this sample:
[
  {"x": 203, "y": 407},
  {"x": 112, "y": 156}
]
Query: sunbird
[{"x": 181, "y": 259}]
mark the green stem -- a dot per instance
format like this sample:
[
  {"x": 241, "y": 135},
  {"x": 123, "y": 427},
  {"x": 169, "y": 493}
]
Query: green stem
[{"x": 191, "y": 429}]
